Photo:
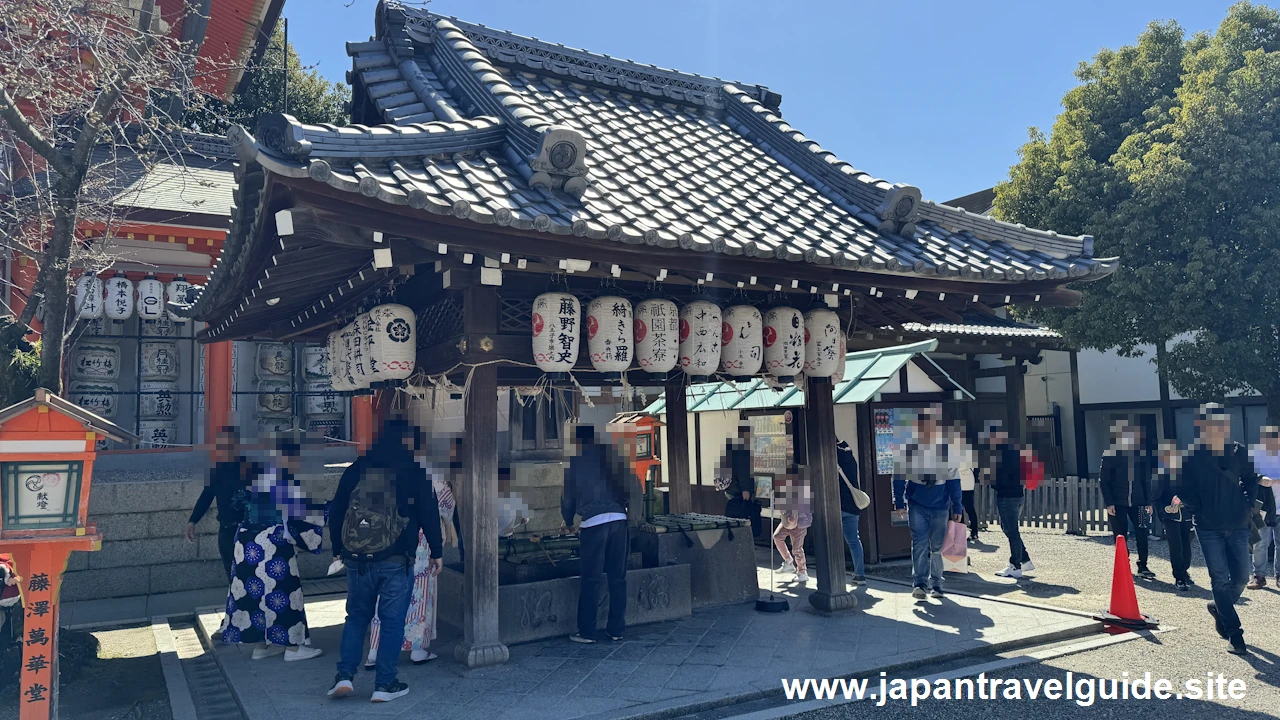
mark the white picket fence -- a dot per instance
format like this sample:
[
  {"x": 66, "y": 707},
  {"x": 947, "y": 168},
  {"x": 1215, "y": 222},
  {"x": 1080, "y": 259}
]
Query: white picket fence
[{"x": 1070, "y": 503}]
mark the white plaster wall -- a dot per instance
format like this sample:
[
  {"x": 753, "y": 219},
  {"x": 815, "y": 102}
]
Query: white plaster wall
[
  {"x": 1047, "y": 384},
  {"x": 1110, "y": 378}
]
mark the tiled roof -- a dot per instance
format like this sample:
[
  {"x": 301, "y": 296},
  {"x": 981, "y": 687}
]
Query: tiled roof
[{"x": 982, "y": 325}]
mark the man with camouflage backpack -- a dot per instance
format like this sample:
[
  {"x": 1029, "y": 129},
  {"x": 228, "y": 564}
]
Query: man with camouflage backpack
[{"x": 382, "y": 501}]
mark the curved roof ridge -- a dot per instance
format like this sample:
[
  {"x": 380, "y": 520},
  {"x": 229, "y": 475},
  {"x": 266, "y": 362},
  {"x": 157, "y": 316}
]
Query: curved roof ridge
[{"x": 1015, "y": 234}]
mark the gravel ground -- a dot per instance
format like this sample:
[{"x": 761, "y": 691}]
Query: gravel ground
[{"x": 1075, "y": 573}]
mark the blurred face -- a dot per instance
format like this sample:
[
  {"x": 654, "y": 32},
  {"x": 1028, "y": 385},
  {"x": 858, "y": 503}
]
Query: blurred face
[
  {"x": 1271, "y": 438},
  {"x": 1214, "y": 431},
  {"x": 927, "y": 426},
  {"x": 1169, "y": 456},
  {"x": 224, "y": 447}
]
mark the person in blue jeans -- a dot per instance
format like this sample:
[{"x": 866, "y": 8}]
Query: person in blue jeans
[
  {"x": 926, "y": 481},
  {"x": 850, "y": 513},
  {"x": 1219, "y": 486},
  {"x": 1004, "y": 471},
  {"x": 383, "y": 499}
]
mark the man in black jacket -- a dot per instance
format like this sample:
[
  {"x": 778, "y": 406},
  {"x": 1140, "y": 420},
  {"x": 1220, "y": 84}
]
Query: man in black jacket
[
  {"x": 1003, "y": 468},
  {"x": 1219, "y": 486},
  {"x": 1126, "y": 476},
  {"x": 226, "y": 478},
  {"x": 598, "y": 486},
  {"x": 850, "y": 513},
  {"x": 742, "y": 489},
  {"x": 383, "y": 489}
]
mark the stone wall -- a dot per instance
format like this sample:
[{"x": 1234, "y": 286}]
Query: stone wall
[
  {"x": 541, "y": 485},
  {"x": 141, "y": 504}
]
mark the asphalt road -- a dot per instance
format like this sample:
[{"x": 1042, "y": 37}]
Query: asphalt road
[{"x": 1075, "y": 573}]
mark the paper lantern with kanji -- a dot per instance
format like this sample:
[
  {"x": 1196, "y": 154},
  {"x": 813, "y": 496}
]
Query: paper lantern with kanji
[
  {"x": 158, "y": 399},
  {"x": 96, "y": 361},
  {"x": 335, "y": 364},
  {"x": 150, "y": 298},
  {"x": 391, "y": 342},
  {"x": 555, "y": 331},
  {"x": 119, "y": 302},
  {"x": 656, "y": 331},
  {"x": 177, "y": 294},
  {"x": 347, "y": 340},
  {"x": 741, "y": 341},
  {"x": 700, "y": 327},
  {"x": 159, "y": 360},
  {"x": 783, "y": 342},
  {"x": 838, "y": 375},
  {"x": 357, "y": 353},
  {"x": 821, "y": 342},
  {"x": 610, "y": 333},
  {"x": 89, "y": 304}
]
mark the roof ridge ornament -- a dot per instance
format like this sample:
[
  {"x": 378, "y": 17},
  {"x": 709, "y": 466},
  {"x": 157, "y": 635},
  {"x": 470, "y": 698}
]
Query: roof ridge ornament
[{"x": 554, "y": 153}]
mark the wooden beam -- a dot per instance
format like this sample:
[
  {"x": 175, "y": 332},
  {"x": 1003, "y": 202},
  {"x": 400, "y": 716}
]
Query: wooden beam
[{"x": 828, "y": 537}]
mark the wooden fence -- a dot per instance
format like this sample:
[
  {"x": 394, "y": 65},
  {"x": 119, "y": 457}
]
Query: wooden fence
[{"x": 1070, "y": 503}]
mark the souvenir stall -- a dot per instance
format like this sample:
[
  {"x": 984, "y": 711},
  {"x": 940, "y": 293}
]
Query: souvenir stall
[{"x": 549, "y": 219}]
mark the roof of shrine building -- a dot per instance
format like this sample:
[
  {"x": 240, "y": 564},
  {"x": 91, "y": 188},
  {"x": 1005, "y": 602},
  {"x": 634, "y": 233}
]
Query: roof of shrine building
[{"x": 498, "y": 129}]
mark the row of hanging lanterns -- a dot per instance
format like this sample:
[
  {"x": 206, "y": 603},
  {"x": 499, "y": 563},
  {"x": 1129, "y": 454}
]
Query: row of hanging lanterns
[
  {"x": 117, "y": 298},
  {"x": 378, "y": 346},
  {"x": 699, "y": 337}
]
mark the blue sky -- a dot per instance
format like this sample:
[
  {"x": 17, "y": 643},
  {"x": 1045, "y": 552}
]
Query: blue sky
[{"x": 935, "y": 93}]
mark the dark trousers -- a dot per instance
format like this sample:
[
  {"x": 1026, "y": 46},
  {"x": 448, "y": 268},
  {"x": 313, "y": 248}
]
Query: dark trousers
[
  {"x": 1179, "y": 536},
  {"x": 1226, "y": 557},
  {"x": 970, "y": 510},
  {"x": 747, "y": 509},
  {"x": 1010, "y": 510},
  {"x": 604, "y": 553},
  {"x": 227, "y": 547},
  {"x": 1132, "y": 514}
]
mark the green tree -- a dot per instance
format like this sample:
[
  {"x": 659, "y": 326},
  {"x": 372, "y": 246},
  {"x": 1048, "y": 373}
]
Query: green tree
[
  {"x": 311, "y": 98},
  {"x": 1168, "y": 153}
]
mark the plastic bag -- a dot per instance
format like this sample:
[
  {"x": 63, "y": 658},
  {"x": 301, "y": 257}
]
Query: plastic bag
[{"x": 955, "y": 548}]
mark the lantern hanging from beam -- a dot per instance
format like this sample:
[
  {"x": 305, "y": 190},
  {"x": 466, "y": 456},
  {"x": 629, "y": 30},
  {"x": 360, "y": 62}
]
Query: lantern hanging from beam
[
  {"x": 656, "y": 331},
  {"x": 555, "y": 331},
  {"x": 610, "y": 333},
  {"x": 700, "y": 327},
  {"x": 783, "y": 343},
  {"x": 119, "y": 304},
  {"x": 334, "y": 362},
  {"x": 89, "y": 304},
  {"x": 357, "y": 353},
  {"x": 392, "y": 342},
  {"x": 838, "y": 376},
  {"x": 150, "y": 302},
  {"x": 177, "y": 294},
  {"x": 821, "y": 342},
  {"x": 741, "y": 341}
]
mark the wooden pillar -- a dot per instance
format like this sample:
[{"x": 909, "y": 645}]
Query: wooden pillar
[
  {"x": 1015, "y": 397},
  {"x": 481, "y": 644},
  {"x": 828, "y": 537},
  {"x": 868, "y": 471},
  {"x": 1077, "y": 419},
  {"x": 217, "y": 388},
  {"x": 681, "y": 493},
  {"x": 362, "y": 421}
]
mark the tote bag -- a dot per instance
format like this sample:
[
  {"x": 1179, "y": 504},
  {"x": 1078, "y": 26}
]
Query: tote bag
[{"x": 955, "y": 548}]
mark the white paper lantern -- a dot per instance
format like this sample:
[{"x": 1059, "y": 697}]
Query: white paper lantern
[
  {"x": 119, "y": 303},
  {"x": 610, "y": 333},
  {"x": 157, "y": 433},
  {"x": 346, "y": 339},
  {"x": 821, "y": 342},
  {"x": 700, "y": 328},
  {"x": 335, "y": 365},
  {"x": 274, "y": 397},
  {"x": 89, "y": 302},
  {"x": 98, "y": 398},
  {"x": 358, "y": 367},
  {"x": 159, "y": 360},
  {"x": 315, "y": 362},
  {"x": 391, "y": 342},
  {"x": 838, "y": 375},
  {"x": 322, "y": 399},
  {"x": 555, "y": 331},
  {"x": 150, "y": 298},
  {"x": 784, "y": 342},
  {"x": 177, "y": 294},
  {"x": 742, "y": 341},
  {"x": 657, "y": 335},
  {"x": 158, "y": 399},
  {"x": 275, "y": 361},
  {"x": 96, "y": 361}
]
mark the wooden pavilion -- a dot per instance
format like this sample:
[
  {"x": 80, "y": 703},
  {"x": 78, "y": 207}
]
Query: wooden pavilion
[{"x": 482, "y": 163}]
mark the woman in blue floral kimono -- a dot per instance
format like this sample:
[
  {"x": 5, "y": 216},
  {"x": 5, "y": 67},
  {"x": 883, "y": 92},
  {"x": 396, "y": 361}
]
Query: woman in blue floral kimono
[{"x": 265, "y": 604}]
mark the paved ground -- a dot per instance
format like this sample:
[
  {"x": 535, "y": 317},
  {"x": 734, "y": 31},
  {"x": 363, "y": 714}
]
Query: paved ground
[
  {"x": 1070, "y": 574},
  {"x": 715, "y": 654}
]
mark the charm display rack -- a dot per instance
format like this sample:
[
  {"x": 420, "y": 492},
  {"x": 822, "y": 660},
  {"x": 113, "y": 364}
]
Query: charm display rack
[{"x": 770, "y": 602}]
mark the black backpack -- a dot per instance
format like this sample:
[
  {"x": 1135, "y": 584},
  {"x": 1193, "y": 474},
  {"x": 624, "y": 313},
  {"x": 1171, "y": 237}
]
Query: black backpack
[{"x": 373, "y": 522}]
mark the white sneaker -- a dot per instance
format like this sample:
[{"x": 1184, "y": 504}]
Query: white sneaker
[
  {"x": 304, "y": 652},
  {"x": 802, "y": 577},
  {"x": 787, "y": 567},
  {"x": 1010, "y": 572},
  {"x": 371, "y": 662},
  {"x": 1028, "y": 566},
  {"x": 262, "y": 653}
]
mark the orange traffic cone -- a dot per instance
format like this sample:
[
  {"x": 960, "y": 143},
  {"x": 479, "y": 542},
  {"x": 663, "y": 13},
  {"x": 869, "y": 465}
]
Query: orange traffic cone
[{"x": 1124, "y": 615}]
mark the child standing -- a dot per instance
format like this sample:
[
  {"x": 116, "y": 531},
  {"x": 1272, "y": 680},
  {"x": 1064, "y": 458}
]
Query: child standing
[{"x": 796, "y": 505}]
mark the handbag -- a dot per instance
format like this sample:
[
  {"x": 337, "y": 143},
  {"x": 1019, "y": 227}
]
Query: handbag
[
  {"x": 955, "y": 548},
  {"x": 860, "y": 498}
]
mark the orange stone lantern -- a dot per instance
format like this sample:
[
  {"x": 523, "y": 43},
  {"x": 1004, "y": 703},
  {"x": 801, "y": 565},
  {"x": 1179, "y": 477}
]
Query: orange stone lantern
[{"x": 47, "y": 447}]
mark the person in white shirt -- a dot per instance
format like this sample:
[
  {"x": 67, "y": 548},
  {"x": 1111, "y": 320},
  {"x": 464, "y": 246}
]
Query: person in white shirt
[{"x": 1266, "y": 461}]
